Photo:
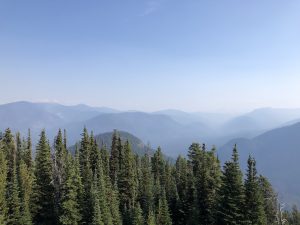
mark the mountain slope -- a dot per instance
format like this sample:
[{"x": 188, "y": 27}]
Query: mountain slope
[{"x": 277, "y": 153}]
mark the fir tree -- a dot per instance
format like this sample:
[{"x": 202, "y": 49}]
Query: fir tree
[
  {"x": 269, "y": 199},
  {"x": 69, "y": 208},
  {"x": 137, "y": 218},
  {"x": 163, "y": 215},
  {"x": 3, "y": 179},
  {"x": 87, "y": 177},
  {"x": 126, "y": 182},
  {"x": 255, "y": 214},
  {"x": 151, "y": 218},
  {"x": 12, "y": 191},
  {"x": 97, "y": 215},
  {"x": 114, "y": 158},
  {"x": 26, "y": 182},
  {"x": 146, "y": 186},
  {"x": 231, "y": 203},
  {"x": 44, "y": 191}
]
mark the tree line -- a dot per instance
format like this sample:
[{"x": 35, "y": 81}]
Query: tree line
[{"x": 100, "y": 186}]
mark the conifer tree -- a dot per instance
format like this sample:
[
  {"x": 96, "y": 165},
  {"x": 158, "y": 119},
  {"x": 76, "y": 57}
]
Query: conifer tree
[
  {"x": 232, "y": 197},
  {"x": 3, "y": 179},
  {"x": 12, "y": 190},
  {"x": 69, "y": 207},
  {"x": 163, "y": 215},
  {"x": 255, "y": 214},
  {"x": 138, "y": 218},
  {"x": 269, "y": 200},
  {"x": 27, "y": 157},
  {"x": 44, "y": 191},
  {"x": 25, "y": 182},
  {"x": 146, "y": 186},
  {"x": 114, "y": 158},
  {"x": 97, "y": 215},
  {"x": 87, "y": 177},
  {"x": 126, "y": 182},
  {"x": 60, "y": 163},
  {"x": 151, "y": 218}
]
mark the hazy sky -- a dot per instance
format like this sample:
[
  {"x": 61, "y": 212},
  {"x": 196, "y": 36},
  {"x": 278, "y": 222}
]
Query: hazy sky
[{"x": 194, "y": 55}]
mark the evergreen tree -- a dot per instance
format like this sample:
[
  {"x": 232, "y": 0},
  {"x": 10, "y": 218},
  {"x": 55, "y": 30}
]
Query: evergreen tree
[
  {"x": 26, "y": 182},
  {"x": 146, "y": 186},
  {"x": 3, "y": 179},
  {"x": 87, "y": 177},
  {"x": 163, "y": 215},
  {"x": 138, "y": 218},
  {"x": 44, "y": 191},
  {"x": 12, "y": 190},
  {"x": 114, "y": 158},
  {"x": 60, "y": 163},
  {"x": 126, "y": 182},
  {"x": 269, "y": 200},
  {"x": 255, "y": 214},
  {"x": 69, "y": 208},
  {"x": 97, "y": 216},
  {"x": 151, "y": 218},
  {"x": 27, "y": 157},
  {"x": 232, "y": 197}
]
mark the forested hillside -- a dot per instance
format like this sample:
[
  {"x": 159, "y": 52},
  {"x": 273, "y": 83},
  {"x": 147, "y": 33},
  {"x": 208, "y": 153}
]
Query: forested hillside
[{"x": 100, "y": 186}]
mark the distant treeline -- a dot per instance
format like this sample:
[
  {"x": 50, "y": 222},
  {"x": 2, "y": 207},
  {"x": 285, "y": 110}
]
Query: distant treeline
[{"x": 116, "y": 186}]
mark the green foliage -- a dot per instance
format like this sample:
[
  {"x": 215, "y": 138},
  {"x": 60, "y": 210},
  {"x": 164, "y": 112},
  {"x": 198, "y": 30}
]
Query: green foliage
[
  {"x": 3, "y": 177},
  {"x": 44, "y": 192},
  {"x": 232, "y": 196},
  {"x": 98, "y": 187},
  {"x": 255, "y": 214},
  {"x": 69, "y": 208}
]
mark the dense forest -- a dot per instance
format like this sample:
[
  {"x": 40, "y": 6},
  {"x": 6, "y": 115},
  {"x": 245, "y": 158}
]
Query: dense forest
[{"x": 100, "y": 186}]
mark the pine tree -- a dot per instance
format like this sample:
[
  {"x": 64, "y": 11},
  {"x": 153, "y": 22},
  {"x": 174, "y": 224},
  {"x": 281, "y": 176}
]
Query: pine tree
[
  {"x": 69, "y": 208},
  {"x": 60, "y": 162},
  {"x": 146, "y": 197},
  {"x": 97, "y": 216},
  {"x": 3, "y": 179},
  {"x": 126, "y": 182},
  {"x": 87, "y": 177},
  {"x": 114, "y": 158},
  {"x": 12, "y": 191},
  {"x": 27, "y": 157},
  {"x": 232, "y": 198},
  {"x": 151, "y": 218},
  {"x": 44, "y": 191},
  {"x": 26, "y": 182},
  {"x": 102, "y": 191},
  {"x": 255, "y": 214},
  {"x": 138, "y": 218},
  {"x": 163, "y": 215},
  {"x": 270, "y": 200}
]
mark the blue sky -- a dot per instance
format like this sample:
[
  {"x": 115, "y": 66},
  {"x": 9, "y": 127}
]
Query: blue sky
[{"x": 193, "y": 55}]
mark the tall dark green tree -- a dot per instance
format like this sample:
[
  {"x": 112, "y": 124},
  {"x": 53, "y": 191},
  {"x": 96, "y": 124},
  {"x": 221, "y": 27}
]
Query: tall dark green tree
[
  {"x": 3, "y": 180},
  {"x": 126, "y": 183},
  {"x": 12, "y": 191},
  {"x": 25, "y": 182},
  {"x": 60, "y": 163},
  {"x": 69, "y": 205},
  {"x": 44, "y": 192},
  {"x": 163, "y": 216},
  {"x": 255, "y": 214},
  {"x": 269, "y": 200},
  {"x": 232, "y": 194},
  {"x": 114, "y": 158},
  {"x": 86, "y": 203}
]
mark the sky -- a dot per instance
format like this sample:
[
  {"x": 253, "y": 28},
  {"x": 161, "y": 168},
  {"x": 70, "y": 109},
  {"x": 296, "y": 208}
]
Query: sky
[{"x": 193, "y": 55}]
